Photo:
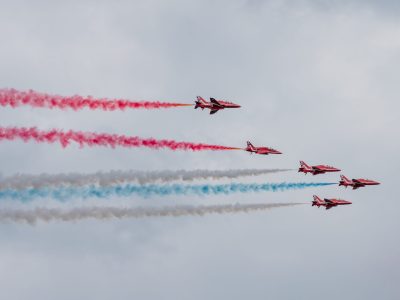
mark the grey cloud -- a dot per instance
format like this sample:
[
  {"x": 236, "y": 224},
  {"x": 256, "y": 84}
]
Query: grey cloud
[{"x": 317, "y": 81}]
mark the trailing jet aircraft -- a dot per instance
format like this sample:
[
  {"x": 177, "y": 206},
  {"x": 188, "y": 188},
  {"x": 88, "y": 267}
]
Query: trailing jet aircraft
[
  {"x": 328, "y": 203},
  {"x": 213, "y": 105},
  {"x": 356, "y": 183},
  {"x": 320, "y": 169},
  {"x": 261, "y": 150}
]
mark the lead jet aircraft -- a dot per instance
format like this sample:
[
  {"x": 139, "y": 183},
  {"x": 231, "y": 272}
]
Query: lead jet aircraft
[
  {"x": 356, "y": 183},
  {"x": 213, "y": 105},
  {"x": 328, "y": 203},
  {"x": 261, "y": 150},
  {"x": 320, "y": 169}
]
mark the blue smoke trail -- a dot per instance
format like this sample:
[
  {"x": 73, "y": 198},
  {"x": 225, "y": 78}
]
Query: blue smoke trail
[{"x": 147, "y": 191}]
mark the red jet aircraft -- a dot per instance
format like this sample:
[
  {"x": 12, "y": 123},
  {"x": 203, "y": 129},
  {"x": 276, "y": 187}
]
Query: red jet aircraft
[
  {"x": 328, "y": 203},
  {"x": 320, "y": 169},
  {"x": 261, "y": 150},
  {"x": 356, "y": 183},
  {"x": 214, "y": 105}
]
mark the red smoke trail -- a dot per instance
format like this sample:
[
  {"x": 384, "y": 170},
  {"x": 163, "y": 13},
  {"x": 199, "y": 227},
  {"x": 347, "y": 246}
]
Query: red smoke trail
[
  {"x": 14, "y": 98},
  {"x": 99, "y": 139}
]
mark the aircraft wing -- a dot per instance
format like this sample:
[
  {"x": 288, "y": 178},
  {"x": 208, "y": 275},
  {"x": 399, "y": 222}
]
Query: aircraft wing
[
  {"x": 357, "y": 184},
  {"x": 328, "y": 206},
  {"x": 262, "y": 151},
  {"x": 213, "y": 111},
  {"x": 215, "y": 102},
  {"x": 316, "y": 168}
]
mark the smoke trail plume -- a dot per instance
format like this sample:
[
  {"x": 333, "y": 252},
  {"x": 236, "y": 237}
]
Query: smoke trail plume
[
  {"x": 147, "y": 191},
  {"x": 14, "y": 98},
  {"x": 24, "y": 181},
  {"x": 91, "y": 139},
  {"x": 103, "y": 213}
]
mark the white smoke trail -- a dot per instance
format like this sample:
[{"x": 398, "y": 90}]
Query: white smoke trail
[
  {"x": 23, "y": 181},
  {"x": 103, "y": 213}
]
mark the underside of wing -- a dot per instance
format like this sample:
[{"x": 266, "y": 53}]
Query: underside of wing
[
  {"x": 216, "y": 103},
  {"x": 213, "y": 111},
  {"x": 262, "y": 151}
]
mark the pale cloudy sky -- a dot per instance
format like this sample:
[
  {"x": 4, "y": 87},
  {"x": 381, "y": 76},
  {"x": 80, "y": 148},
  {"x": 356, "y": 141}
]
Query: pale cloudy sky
[{"x": 316, "y": 80}]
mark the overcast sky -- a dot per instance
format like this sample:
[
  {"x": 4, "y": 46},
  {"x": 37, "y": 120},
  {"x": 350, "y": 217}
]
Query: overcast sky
[{"x": 316, "y": 80}]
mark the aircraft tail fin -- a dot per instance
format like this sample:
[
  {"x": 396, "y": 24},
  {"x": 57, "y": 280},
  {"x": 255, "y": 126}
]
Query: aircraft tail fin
[
  {"x": 199, "y": 101},
  {"x": 345, "y": 179},
  {"x": 304, "y": 165},
  {"x": 316, "y": 198},
  {"x": 317, "y": 201},
  {"x": 250, "y": 146}
]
